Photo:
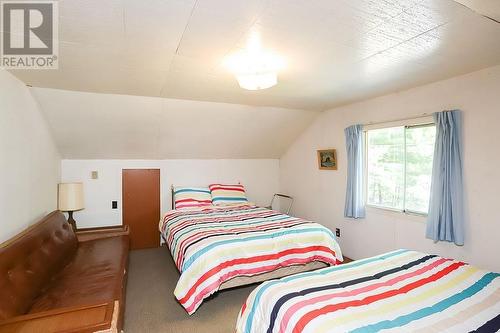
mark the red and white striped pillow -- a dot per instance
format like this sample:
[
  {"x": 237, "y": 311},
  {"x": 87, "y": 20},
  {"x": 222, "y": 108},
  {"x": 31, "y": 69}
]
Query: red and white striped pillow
[
  {"x": 192, "y": 197},
  {"x": 224, "y": 194}
]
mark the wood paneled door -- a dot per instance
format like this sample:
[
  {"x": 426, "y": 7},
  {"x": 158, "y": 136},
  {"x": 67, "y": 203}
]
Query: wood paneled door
[{"x": 141, "y": 206}]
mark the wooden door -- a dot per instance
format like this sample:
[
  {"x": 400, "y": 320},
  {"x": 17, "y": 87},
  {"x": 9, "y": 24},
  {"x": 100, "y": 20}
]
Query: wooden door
[{"x": 141, "y": 206}]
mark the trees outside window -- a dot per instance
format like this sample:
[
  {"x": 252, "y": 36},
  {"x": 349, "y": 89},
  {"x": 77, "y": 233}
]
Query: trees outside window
[{"x": 399, "y": 167}]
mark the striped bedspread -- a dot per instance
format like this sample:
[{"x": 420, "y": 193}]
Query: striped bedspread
[
  {"x": 211, "y": 246},
  {"x": 400, "y": 291}
]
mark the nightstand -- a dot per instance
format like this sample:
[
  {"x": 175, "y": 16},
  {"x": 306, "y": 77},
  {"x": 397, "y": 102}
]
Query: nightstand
[
  {"x": 347, "y": 260},
  {"x": 86, "y": 234}
]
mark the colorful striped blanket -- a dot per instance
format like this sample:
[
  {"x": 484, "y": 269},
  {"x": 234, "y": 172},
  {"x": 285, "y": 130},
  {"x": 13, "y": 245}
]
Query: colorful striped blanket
[
  {"x": 211, "y": 246},
  {"x": 400, "y": 291}
]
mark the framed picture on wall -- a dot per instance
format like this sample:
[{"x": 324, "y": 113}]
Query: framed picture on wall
[{"x": 327, "y": 159}]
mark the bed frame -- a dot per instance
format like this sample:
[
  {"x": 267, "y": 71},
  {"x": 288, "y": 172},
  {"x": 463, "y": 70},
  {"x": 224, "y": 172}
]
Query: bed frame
[
  {"x": 172, "y": 196},
  {"x": 240, "y": 281}
]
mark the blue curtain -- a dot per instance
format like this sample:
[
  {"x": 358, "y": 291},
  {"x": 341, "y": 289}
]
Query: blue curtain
[
  {"x": 354, "y": 200},
  {"x": 445, "y": 221}
]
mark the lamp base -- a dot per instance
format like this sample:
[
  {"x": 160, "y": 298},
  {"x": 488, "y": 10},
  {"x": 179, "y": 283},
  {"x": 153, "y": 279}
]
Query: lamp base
[{"x": 71, "y": 220}]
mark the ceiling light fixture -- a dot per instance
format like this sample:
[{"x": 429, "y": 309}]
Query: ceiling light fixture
[{"x": 255, "y": 68}]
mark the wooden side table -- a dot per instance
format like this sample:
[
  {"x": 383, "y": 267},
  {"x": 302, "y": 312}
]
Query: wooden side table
[{"x": 86, "y": 234}]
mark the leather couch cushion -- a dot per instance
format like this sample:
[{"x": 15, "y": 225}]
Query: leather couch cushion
[
  {"x": 30, "y": 260},
  {"x": 94, "y": 275}
]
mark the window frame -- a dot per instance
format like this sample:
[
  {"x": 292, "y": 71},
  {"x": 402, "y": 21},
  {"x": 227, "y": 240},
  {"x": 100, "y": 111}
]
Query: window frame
[{"x": 408, "y": 123}]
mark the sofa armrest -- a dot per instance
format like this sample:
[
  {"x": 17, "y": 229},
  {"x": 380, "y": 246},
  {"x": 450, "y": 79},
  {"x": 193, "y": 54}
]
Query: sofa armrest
[
  {"x": 87, "y": 234},
  {"x": 90, "y": 318}
]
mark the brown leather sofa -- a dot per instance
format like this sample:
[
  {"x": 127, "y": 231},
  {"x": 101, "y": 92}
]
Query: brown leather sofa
[{"x": 50, "y": 281}]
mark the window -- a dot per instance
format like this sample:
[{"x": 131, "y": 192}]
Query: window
[{"x": 399, "y": 167}]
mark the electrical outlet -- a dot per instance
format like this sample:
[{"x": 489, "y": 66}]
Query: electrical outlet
[
  {"x": 114, "y": 204},
  {"x": 337, "y": 232},
  {"x": 94, "y": 175}
]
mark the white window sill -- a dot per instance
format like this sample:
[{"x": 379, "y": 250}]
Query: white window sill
[{"x": 418, "y": 217}]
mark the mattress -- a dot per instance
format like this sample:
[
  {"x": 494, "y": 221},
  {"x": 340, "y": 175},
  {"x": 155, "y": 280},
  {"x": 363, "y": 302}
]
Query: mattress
[
  {"x": 400, "y": 291},
  {"x": 213, "y": 246}
]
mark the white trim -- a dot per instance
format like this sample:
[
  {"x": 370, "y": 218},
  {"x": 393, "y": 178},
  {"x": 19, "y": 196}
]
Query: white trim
[
  {"x": 420, "y": 218},
  {"x": 396, "y": 210},
  {"x": 424, "y": 120}
]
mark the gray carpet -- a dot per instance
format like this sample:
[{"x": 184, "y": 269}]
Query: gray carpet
[{"x": 151, "y": 306}]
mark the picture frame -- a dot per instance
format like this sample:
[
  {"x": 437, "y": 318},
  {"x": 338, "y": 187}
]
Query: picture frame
[{"x": 327, "y": 159}]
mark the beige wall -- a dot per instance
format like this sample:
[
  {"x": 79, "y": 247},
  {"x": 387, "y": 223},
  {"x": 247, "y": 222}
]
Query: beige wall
[
  {"x": 320, "y": 194},
  {"x": 29, "y": 160}
]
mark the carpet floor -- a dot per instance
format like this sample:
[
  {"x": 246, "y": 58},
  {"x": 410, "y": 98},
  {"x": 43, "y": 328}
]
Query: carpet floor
[{"x": 152, "y": 307}]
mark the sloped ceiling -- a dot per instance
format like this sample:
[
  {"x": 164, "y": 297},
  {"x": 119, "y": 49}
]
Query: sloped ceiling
[
  {"x": 107, "y": 126},
  {"x": 337, "y": 51}
]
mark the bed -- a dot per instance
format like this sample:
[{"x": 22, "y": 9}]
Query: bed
[
  {"x": 400, "y": 291},
  {"x": 216, "y": 248}
]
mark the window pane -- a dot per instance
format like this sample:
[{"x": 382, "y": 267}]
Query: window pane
[
  {"x": 419, "y": 155},
  {"x": 386, "y": 167}
]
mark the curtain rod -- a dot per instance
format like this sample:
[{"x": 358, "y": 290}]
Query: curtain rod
[{"x": 423, "y": 115}]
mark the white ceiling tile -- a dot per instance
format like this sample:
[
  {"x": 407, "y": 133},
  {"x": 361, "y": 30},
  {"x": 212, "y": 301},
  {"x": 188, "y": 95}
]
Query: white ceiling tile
[
  {"x": 82, "y": 56},
  {"x": 152, "y": 59},
  {"x": 357, "y": 20},
  {"x": 460, "y": 58},
  {"x": 374, "y": 42},
  {"x": 94, "y": 22},
  {"x": 110, "y": 33},
  {"x": 182, "y": 65},
  {"x": 432, "y": 14},
  {"x": 420, "y": 48},
  {"x": 155, "y": 24},
  {"x": 283, "y": 14},
  {"x": 446, "y": 9},
  {"x": 211, "y": 36},
  {"x": 490, "y": 8},
  {"x": 467, "y": 40},
  {"x": 379, "y": 9},
  {"x": 131, "y": 82},
  {"x": 97, "y": 10},
  {"x": 389, "y": 62},
  {"x": 244, "y": 11},
  {"x": 405, "y": 26}
]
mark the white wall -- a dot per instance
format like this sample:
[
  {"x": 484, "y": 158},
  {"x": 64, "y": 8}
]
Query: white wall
[
  {"x": 29, "y": 160},
  {"x": 260, "y": 177},
  {"x": 320, "y": 194}
]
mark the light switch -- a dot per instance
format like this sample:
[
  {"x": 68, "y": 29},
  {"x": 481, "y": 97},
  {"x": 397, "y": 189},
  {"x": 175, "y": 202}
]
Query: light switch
[{"x": 95, "y": 175}]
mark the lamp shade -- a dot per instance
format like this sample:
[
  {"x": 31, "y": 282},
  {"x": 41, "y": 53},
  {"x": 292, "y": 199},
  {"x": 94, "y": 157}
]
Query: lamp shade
[{"x": 70, "y": 197}]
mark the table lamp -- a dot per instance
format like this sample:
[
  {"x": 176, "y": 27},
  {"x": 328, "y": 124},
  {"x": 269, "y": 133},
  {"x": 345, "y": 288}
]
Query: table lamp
[{"x": 70, "y": 200}]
